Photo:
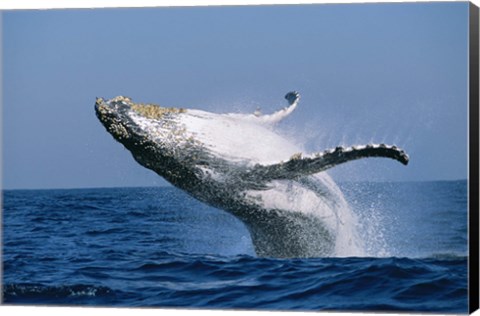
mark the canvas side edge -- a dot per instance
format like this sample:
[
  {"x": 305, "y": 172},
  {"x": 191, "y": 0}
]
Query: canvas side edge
[{"x": 473, "y": 159}]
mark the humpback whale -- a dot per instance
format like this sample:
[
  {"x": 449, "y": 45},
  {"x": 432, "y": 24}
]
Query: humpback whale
[{"x": 238, "y": 163}]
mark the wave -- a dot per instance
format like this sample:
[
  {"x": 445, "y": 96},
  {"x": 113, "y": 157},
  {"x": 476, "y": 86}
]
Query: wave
[
  {"x": 446, "y": 256},
  {"x": 180, "y": 280},
  {"x": 40, "y": 293}
]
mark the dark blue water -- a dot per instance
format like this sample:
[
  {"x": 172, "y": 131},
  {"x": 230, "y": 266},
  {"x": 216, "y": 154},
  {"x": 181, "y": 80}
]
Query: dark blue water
[{"x": 160, "y": 247}]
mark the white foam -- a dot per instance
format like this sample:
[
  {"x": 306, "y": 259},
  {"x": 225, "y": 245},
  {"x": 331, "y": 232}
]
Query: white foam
[{"x": 237, "y": 138}]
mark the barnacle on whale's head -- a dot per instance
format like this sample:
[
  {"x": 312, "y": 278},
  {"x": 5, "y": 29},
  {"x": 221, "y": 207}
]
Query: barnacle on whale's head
[{"x": 153, "y": 111}]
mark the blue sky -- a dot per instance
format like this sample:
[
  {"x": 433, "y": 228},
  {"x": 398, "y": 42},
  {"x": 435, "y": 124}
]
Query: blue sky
[{"x": 394, "y": 73}]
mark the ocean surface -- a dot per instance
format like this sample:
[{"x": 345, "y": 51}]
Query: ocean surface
[{"x": 158, "y": 247}]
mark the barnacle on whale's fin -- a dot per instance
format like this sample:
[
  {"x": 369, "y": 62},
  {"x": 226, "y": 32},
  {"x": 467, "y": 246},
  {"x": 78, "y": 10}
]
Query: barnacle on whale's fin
[{"x": 308, "y": 165}]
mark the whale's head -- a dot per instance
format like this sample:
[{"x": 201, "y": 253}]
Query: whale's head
[
  {"x": 134, "y": 124},
  {"x": 150, "y": 132},
  {"x": 131, "y": 123}
]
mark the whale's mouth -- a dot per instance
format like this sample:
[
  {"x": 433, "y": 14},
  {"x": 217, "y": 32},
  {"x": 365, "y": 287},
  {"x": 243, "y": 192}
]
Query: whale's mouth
[
  {"x": 115, "y": 108},
  {"x": 114, "y": 117}
]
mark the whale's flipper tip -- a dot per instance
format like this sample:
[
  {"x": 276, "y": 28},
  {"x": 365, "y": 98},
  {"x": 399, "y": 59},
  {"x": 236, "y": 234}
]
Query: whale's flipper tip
[
  {"x": 292, "y": 97},
  {"x": 404, "y": 158}
]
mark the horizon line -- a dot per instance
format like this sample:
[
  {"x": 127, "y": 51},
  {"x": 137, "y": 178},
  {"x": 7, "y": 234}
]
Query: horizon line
[{"x": 168, "y": 185}]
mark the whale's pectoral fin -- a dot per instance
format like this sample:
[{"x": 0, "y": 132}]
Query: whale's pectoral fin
[
  {"x": 303, "y": 166},
  {"x": 293, "y": 98}
]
